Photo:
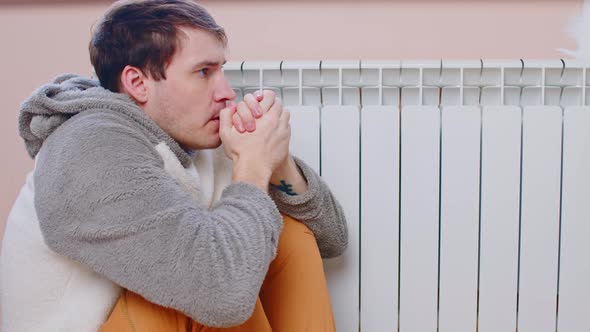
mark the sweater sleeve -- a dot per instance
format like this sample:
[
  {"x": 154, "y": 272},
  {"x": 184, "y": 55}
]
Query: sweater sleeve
[
  {"x": 318, "y": 209},
  {"x": 104, "y": 199}
]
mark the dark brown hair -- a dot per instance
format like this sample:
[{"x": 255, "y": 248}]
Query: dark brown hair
[{"x": 144, "y": 34}]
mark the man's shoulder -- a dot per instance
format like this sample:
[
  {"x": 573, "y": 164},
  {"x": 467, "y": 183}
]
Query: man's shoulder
[
  {"x": 97, "y": 132},
  {"x": 99, "y": 126},
  {"x": 96, "y": 121}
]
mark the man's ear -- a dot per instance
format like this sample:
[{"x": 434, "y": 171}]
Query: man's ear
[{"x": 133, "y": 83}]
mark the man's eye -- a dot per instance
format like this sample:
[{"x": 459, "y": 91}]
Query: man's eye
[{"x": 203, "y": 72}]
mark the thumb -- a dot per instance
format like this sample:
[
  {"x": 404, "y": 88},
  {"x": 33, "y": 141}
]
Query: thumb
[{"x": 225, "y": 116}]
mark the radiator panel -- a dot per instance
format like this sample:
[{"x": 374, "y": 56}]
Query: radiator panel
[
  {"x": 459, "y": 224},
  {"x": 574, "y": 288},
  {"x": 420, "y": 141},
  {"x": 305, "y": 134},
  {"x": 340, "y": 169},
  {"x": 541, "y": 171},
  {"x": 500, "y": 213},
  {"x": 380, "y": 217}
]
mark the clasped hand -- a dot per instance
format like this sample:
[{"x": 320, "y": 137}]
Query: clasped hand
[{"x": 256, "y": 132}]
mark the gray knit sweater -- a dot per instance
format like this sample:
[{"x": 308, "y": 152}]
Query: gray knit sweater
[{"x": 104, "y": 199}]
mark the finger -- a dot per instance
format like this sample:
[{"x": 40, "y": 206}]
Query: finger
[
  {"x": 284, "y": 127},
  {"x": 225, "y": 116},
  {"x": 234, "y": 115},
  {"x": 258, "y": 94},
  {"x": 277, "y": 107},
  {"x": 268, "y": 100},
  {"x": 285, "y": 115},
  {"x": 254, "y": 106},
  {"x": 284, "y": 118},
  {"x": 246, "y": 116},
  {"x": 237, "y": 122}
]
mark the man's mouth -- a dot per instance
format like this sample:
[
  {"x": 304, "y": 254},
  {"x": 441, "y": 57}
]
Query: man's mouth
[{"x": 216, "y": 115}]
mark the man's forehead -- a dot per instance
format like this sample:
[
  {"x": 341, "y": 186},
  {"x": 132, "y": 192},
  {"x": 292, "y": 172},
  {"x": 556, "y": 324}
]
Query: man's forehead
[{"x": 201, "y": 47}]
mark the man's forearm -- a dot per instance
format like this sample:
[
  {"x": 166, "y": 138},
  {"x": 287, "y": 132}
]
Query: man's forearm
[{"x": 288, "y": 178}]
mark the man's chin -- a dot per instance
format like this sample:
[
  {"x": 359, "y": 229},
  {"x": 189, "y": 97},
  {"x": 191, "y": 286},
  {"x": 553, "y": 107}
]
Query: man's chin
[{"x": 214, "y": 144}]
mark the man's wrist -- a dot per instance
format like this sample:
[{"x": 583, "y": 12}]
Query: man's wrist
[
  {"x": 288, "y": 178},
  {"x": 252, "y": 173},
  {"x": 284, "y": 170}
]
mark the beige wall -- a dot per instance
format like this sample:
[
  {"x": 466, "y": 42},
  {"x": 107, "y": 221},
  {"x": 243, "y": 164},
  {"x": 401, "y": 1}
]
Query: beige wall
[{"x": 40, "y": 41}]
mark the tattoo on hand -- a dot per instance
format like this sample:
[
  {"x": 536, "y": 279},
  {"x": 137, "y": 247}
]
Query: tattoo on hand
[{"x": 285, "y": 187}]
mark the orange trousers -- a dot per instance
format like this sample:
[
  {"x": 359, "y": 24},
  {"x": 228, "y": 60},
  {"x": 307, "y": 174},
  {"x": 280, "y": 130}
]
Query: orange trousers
[{"x": 294, "y": 296}]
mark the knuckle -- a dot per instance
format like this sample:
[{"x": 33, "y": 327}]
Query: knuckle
[
  {"x": 270, "y": 94},
  {"x": 241, "y": 105},
  {"x": 251, "y": 100},
  {"x": 244, "y": 111}
]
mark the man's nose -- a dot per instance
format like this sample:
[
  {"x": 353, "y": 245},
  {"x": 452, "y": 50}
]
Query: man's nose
[{"x": 224, "y": 90}]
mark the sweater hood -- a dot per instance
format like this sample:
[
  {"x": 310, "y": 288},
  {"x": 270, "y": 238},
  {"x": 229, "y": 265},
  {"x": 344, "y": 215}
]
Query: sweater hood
[{"x": 53, "y": 104}]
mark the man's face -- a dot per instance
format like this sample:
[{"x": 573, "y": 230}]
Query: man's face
[{"x": 187, "y": 103}]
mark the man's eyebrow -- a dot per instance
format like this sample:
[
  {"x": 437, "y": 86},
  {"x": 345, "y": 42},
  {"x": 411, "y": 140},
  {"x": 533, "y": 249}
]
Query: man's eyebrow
[{"x": 209, "y": 63}]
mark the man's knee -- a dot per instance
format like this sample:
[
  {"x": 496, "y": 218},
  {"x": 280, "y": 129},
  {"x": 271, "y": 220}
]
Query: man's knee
[{"x": 297, "y": 240}]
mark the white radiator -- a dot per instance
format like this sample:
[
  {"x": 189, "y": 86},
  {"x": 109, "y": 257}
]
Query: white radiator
[{"x": 466, "y": 185}]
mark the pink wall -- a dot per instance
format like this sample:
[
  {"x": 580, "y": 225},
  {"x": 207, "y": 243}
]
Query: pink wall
[{"x": 41, "y": 41}]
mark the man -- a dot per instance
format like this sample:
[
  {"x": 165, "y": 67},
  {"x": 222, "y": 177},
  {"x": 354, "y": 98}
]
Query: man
[{"x": 135, "y": 217}]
